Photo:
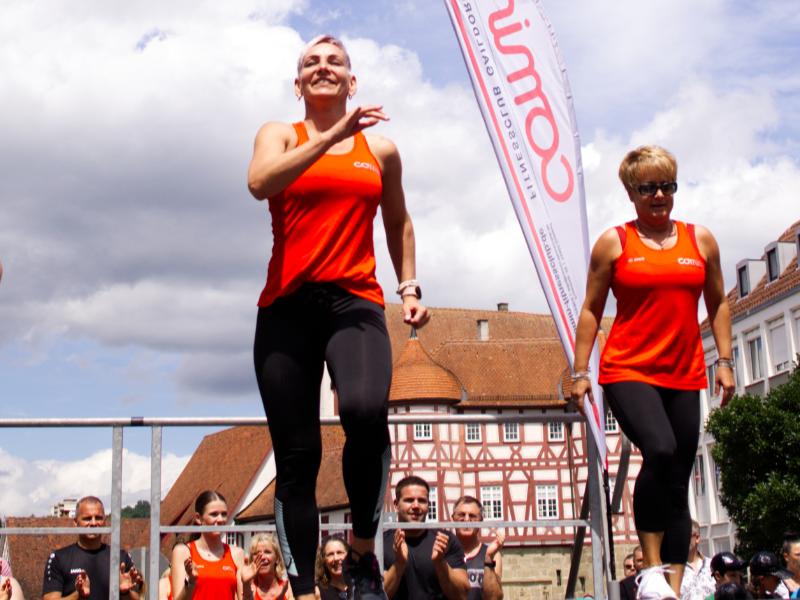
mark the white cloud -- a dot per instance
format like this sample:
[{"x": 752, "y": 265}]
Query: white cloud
[
  {"x": 31, "y": 487},
  {"x": 731, "y": 180},
  {"x": 126, "y": 219}
]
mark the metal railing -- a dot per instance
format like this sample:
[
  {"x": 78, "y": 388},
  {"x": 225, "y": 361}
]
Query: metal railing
[{"x": 593, "y": 512}]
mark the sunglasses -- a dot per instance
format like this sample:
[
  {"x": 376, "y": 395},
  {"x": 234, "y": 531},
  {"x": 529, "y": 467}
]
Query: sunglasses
[{"x": 650, "y": 189}]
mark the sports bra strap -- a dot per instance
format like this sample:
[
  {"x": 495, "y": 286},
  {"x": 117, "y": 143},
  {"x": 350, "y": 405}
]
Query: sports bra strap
[
  {"x": 623, "y": 235},
  {"x": 693, "y": 236}
]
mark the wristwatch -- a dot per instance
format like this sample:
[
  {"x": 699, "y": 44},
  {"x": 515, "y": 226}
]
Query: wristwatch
[{"x": 491, "y": 565}]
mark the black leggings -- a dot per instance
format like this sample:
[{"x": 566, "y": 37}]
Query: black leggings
[
  {"x": 665, "y": 425},
  {"x": 295, "y": 336}
]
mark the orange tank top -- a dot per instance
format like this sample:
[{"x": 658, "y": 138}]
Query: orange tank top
[
  {"x": 322, "y": 225},
  {"x": 216, "y": 580},
  {"x": 655, "y": 337}
]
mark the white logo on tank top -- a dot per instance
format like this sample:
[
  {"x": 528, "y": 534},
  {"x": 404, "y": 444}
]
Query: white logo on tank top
[
  {"x": 637, "y": 259},
  {"x": 368, "y": 166},
  {"x": 690, "y": 262}
]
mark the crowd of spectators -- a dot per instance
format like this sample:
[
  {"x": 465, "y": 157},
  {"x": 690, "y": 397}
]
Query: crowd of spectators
[{"x": 421, "y": 563}]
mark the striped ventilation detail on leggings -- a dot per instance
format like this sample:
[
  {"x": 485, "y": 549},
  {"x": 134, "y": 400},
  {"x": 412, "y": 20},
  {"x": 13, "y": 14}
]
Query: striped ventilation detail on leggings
[
  {"x": 386, "y": 460},
  {"x": 291, "y": 567}
]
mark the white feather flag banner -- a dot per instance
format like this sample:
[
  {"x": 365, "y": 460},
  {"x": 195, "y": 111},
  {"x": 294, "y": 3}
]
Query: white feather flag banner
[{"x": 521, "y": 86}]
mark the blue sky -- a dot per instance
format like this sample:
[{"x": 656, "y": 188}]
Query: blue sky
[{"x": 134, "y": 255}]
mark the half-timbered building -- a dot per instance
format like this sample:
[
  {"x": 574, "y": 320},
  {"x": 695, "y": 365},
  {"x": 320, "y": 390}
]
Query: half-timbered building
[{"x": 462, "y": 362}]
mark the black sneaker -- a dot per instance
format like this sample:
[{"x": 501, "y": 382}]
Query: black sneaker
[{"x": 366, "y": 576}]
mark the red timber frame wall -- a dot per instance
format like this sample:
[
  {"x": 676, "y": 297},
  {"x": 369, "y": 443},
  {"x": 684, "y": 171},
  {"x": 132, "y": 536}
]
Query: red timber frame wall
[{"x": 556, "y": 469}]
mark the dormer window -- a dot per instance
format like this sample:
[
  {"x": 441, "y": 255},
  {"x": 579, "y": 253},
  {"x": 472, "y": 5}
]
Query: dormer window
[
  {"x": 777, "y": 257},
  {"x": 744, "y": 284},
  {"x": 797, "y": 245},
  {"x": 772, "y": 265}
]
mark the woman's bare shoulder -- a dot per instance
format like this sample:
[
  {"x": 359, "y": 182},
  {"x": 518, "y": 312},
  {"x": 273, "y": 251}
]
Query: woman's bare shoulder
[
  {"x": 380, "y": 146},
  {"x": 276, "y": 131}
]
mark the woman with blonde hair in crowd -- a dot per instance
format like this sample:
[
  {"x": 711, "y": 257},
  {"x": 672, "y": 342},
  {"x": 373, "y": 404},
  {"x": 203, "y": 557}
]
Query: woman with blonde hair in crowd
[
  {"x": 207, "y": 568},
  {"x": 332, "y": 582},
  {"x": 270, "y": 582},
  {"x": 653, "y": 367}
]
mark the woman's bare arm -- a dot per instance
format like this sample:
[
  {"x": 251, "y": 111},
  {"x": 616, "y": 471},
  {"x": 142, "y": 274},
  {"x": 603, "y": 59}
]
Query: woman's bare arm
[
  {"x": 278, "y": 161},
  {"x": 397, "y": 223},
  {"x": 719, "y": 315},
  {"x": 607, "y": 249}
]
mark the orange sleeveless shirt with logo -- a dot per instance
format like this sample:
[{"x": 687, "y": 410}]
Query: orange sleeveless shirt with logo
[
  {"x": 322, "y": 225},
  {"x": 655, "y": 337},
  {"x": 216, "y": 580}
]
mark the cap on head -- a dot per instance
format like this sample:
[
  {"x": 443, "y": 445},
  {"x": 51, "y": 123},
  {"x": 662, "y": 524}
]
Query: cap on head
[
  {"x": 325, "y": 38},
  {"x": 726, "y": 561},
  {"x": 767, "y": 563}
]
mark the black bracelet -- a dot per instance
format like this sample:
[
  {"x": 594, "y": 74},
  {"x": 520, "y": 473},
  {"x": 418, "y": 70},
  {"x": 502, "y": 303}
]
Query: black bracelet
[{"x": 491, "y": 565}]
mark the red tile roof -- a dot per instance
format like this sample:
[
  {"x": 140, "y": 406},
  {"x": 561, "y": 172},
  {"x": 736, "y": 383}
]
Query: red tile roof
[
  {"x": 510, "y": 371},
  {"x": 28, "y": 553},
  {"x": 330, "y": 484},
  {"x": 762, "y": 293},
  {"x": 448, "y": 324},
  {"x": 416, "y": 376}
]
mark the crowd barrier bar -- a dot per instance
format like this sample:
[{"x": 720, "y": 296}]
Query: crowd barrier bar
[{"x": 593, "y": 512}]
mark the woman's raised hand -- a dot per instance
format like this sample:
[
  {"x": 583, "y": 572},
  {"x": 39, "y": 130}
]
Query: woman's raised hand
[
  {"x": 251, "y": 569},
  {"x": 356, "y": 120}
]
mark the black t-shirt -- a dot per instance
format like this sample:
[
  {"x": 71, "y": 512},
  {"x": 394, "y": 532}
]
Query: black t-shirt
[
  {"x": 475, "y": 567},
  {"x": 627, "y": 588},
  {"x": 419, "y": 578},
  {"x": 64, "y": 565}
]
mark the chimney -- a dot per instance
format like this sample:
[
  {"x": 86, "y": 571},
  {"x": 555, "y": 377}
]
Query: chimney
[{"x": 502, "y": 306}]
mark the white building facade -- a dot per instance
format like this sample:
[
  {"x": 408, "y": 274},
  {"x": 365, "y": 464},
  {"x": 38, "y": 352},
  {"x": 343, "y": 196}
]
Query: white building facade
[{"x": 765, "y": 317}]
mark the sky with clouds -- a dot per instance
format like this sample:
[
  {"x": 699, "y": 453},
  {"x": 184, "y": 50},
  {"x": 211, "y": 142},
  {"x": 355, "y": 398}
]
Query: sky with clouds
[{"x": 134, "y": 255}]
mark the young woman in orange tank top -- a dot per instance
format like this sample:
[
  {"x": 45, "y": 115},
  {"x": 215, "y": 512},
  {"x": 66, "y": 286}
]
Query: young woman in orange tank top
[
  {"x": 207, "y": 568},
  {"x": 322, "y": 305},
  {"x": 652, "y": 366}
]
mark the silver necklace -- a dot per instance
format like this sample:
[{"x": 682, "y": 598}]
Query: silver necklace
[{"x": 662, "y": 244}]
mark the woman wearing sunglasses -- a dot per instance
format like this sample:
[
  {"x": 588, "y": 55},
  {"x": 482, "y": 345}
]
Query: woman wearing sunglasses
[
  {"x": 652, "y": 367},
  {"x": 332, "y": 582}
]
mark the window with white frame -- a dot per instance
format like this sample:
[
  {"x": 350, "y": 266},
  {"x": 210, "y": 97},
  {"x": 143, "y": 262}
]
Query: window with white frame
[
  {"x": 711, "y": 374},
  {"x": 754, "y": 349},
  {"x": 699, "y": 476},
  {"x": 473, "y": 432},
  {"x": 510, "y": 432},
  {"x": 547, "y": 502},
  {"x": 744, "y": 283},
  {"x": 717, "y": 474},
  {"x": 737, "y": 376},
  {"x": 423, "y": 431},
  {"x": 612, "y": 484},
  {"x": 772, "y": 265},
  {"x": 555, "y": 432},
  {"x": 611, "y": 423},
  {"x": 234, "y": 539},
  {"x": 433, "y": 504},
  {"x": 779, "y": 347},
  {"x": 492, "y": 500}
]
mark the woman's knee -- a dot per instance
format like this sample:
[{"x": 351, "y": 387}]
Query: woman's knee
[{"x": 660, "y": 451}]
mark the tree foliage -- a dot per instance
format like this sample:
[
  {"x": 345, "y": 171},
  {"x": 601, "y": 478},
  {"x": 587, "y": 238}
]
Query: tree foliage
[
  {"x": 758, "y": 454},
  {"x": 140, "y": 511}
]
